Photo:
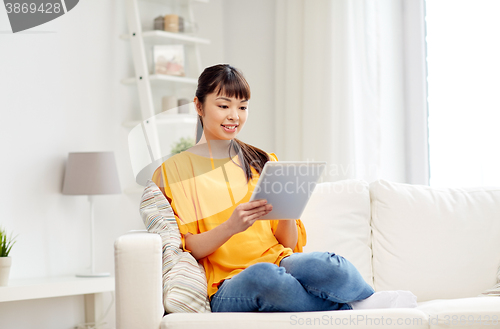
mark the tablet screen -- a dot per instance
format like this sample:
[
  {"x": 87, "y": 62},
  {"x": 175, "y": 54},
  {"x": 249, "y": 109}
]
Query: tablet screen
[{"x": 287, "y": 185}]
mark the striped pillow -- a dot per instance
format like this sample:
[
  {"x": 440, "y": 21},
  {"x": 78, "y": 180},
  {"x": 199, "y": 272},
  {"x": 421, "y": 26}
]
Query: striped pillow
[{"x": 184, "y": 280}]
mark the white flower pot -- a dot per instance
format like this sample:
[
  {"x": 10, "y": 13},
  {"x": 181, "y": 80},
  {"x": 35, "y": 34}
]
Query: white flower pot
[{"x": 5, "y": 263}]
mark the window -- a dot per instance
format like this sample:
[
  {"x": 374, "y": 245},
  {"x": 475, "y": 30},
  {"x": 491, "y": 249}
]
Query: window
[{"x": 463, "y": 62}]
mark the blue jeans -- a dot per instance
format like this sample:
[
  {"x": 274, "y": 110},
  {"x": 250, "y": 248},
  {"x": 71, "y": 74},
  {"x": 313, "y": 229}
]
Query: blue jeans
[{"x": 314, "y": 281}]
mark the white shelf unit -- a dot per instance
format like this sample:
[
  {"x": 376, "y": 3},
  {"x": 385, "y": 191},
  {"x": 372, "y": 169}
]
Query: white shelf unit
[
  {"x": 148, "y": 84},
  {"x": 173, "y": 119},
  {"x": 62, "y": 286},
  {"x": 164, "y": 37},
  {"x": 141, "y": 43},
  {"x": 161, "y": 78}
]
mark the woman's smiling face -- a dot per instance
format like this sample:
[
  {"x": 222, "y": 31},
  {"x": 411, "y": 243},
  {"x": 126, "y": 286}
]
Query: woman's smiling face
[{"x": 219, "y": 112}]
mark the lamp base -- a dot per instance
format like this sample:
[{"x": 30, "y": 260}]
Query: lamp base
[{"x": 92, "y": 275}]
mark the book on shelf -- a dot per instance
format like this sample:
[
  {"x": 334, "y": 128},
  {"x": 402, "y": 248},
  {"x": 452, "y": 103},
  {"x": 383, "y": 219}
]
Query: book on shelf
[{"x": 169, "y": 60}]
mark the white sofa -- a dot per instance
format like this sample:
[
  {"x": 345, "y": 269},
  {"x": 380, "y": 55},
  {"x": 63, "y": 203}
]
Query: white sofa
[{"x": 442, "y": 244}]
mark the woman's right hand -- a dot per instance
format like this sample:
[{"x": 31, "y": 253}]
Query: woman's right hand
[{"x": 245, "y": 214}]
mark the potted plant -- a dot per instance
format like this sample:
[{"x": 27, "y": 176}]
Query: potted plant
[
  {"x": 182, "y": 145},
  {"x": 6, "y": 243}
]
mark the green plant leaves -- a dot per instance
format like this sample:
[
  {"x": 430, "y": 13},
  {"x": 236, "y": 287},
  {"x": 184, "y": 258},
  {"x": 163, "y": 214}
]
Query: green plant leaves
[
  {"x": 182, "y": 145},
  {"x": 6, "y": 243}
]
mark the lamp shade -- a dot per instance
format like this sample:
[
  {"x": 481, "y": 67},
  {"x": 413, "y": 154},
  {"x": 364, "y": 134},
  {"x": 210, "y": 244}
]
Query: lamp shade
[{"x": 90, "y": 173}]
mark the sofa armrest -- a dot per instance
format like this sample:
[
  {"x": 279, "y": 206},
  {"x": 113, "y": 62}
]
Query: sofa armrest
[{"x": 138, "y": 281}]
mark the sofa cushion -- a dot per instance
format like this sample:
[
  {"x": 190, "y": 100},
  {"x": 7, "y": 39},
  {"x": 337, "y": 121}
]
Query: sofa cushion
[
  {"x": 493, "y": 291},
  {"x": 435, "y": 242},
  {"x": 337, "y": 219},
  {"x": 472, "y": 312},
  {"x": 184, "y": 280},
  {"x": 360, "y": 319}
]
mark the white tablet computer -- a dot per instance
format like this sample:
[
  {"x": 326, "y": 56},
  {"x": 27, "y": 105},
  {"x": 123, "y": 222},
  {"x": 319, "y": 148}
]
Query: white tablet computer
[{"x": 287, "y": 186}]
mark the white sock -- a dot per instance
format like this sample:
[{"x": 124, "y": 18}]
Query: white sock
[{"x": 386, "y": 299}]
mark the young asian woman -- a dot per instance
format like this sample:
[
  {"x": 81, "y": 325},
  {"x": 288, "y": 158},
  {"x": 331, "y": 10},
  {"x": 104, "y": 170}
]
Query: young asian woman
[{"x": 251, "y": 264}]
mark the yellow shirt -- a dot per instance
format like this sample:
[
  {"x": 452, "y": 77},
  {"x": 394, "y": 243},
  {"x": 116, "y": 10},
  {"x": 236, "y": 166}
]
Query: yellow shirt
[{"x": 203, "y": 193}]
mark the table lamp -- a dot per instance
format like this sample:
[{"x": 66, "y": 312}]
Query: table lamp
[{"x": 91, "y": 173}]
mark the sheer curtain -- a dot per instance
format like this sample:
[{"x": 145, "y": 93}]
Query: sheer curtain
[
  {"x": 464, "y": 84},
  {"x": 350, "y": 87}
]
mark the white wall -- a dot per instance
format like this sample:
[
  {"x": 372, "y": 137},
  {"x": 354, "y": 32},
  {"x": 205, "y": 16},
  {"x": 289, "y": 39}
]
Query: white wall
[
  {"x": 60, "y": 93},
  {"x": 249, "y": 45}
]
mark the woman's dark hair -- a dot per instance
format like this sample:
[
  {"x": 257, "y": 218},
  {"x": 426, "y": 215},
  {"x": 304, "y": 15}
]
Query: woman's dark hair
[{"x": 229, "y": 81}]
